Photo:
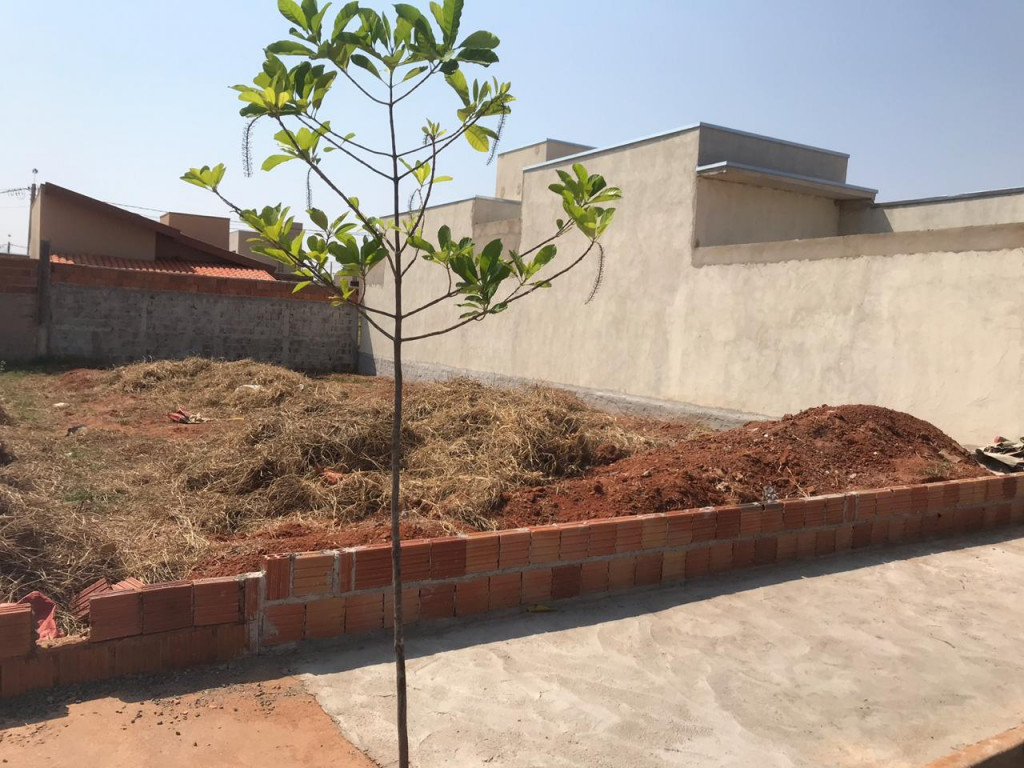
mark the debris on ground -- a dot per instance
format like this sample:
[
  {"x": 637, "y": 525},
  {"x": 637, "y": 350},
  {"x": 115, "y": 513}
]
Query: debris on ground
[
  {"x": 80, "y": 604},
  {"x": 181, "y": 416},
  {"x": 44, "y": 615},
  {"x": 1003, "y": 455},
  {"x": 77, "y": 429},
  {"x": 61, "y": 405}
]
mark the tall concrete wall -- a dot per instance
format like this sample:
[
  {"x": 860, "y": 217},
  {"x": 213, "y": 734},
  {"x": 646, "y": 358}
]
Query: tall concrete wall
[
  {"x": 938, "y": 332},
  {"x": 729, "y": 213},
  {"x": 969, "y": 211},
  {"x": 509, "y": 183}
]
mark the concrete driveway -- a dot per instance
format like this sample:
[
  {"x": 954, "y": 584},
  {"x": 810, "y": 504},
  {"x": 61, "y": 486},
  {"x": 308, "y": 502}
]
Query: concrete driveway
[{"x": 881, "y": 659}]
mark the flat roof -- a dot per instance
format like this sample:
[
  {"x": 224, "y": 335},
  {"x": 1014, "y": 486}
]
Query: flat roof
[
  {"x": 544, "y": 141},
  {"x": 676, "y": 132},
  {"x": 954, "y": 198},
  {"x": 792, "y": 182}
]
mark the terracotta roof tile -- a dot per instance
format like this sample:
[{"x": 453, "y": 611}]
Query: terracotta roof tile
[{"x": 165, "y": 265}]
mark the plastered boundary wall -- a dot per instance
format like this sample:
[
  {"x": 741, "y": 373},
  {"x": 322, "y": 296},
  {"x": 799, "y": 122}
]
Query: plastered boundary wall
[{"x": 319, "y": 595}]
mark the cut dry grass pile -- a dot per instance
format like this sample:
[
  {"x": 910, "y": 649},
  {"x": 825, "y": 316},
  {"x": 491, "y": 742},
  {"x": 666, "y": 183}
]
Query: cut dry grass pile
[
  {"x": 464, "y": 445},
  {"x": 241, "y": 385},
  {"x": 134, "y": 495}
]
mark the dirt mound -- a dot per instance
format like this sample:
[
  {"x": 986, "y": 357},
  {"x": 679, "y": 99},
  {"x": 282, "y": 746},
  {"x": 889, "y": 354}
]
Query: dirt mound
[{"x": 818, "y": 451}]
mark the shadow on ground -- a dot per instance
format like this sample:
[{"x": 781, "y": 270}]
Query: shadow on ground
[{"x": 437, "y": 637}]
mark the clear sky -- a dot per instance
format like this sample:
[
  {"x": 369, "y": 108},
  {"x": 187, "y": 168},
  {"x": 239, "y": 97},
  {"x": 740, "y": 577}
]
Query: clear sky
[{"x": 116, "y": 99}]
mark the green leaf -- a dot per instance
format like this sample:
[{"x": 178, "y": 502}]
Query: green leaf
[
  {"x": 361, "y": 61},
  {"x": 415, "y": 72},
  {"x": 419, "y": 243},
  {"x": 291, "y": 11},
  {"x": 299, "y": 286},
  {"x": 457, "y": 80},
  {"x": 290, "y": 48},
  {"x": 205, "y": 177},
  {"x": 476, "y": 135},
  {"x": 478, "y": 56},
  {"x": 309, "y": 9},
  {"x": 444, "y": 236},
  {"x": 319, "y": 218},
  {"x": 480, "y": 39},
  {"x": 275, "y": 160},
  {"x": 345, "y": 15},
  {"x": 448, "y": 18}
]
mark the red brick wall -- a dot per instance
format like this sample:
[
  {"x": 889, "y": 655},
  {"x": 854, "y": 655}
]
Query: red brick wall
[
  {"x": 18, "y": 308},
  {"x": 163, "y": 281},
  {"x": 317, "y": 595}
]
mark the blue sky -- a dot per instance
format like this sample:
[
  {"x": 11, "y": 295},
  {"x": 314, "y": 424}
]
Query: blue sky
[{"x": 115, "y": 99}]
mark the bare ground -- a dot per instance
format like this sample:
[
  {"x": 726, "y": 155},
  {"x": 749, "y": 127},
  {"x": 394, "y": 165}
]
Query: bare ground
[{"x": 242, "y": 717}]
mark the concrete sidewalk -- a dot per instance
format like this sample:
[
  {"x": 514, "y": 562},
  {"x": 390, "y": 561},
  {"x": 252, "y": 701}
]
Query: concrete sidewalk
[{"x": 887, "y": 658}]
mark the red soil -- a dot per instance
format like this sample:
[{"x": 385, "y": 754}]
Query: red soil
[{"x": 818, "y": 451}]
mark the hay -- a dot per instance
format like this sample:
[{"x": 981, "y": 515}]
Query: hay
[
  {"x": 464, "y": 445},
  {"x": 135, "y": 496},
  {"x": 6, "y": 417},
  {"x": 202, "y": 383}
]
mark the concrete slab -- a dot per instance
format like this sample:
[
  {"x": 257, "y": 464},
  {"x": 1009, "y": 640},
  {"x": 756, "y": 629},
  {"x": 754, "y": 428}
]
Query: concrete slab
[{"x": 879, "y": 659}]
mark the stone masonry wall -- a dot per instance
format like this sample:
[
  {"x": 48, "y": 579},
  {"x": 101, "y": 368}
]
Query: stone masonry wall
[{"x": 110, "y": 316}]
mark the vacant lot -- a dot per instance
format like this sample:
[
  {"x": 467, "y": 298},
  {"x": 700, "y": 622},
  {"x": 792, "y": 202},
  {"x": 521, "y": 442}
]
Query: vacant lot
[{"x": 96, "y": 479}]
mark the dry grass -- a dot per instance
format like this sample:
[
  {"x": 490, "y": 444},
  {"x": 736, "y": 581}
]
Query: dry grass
[
  {"x": 464, "y": 444},
  {"x": 134, "y": 495}
]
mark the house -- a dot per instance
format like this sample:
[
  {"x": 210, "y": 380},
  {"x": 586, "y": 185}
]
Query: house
[{"x": 104, "y": 285}]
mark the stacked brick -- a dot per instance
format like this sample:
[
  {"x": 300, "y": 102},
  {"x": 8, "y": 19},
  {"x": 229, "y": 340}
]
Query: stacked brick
[
  {"x": 451, "y": 577},
  {"x": 171, "y": 281},
  {"x": 133, "y": 631},
  {"x": 319, "y": 595}
]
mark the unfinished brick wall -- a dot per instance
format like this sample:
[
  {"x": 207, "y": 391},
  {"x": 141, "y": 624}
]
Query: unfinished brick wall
[
  {"x": 317, "y": 595},
  {"x": 116, "y": 316},
  {"x": 18, "y": 309}
]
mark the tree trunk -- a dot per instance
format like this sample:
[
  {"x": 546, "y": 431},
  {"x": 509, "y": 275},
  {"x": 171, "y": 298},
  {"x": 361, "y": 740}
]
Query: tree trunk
[
  {"x": 396, "y": 465},
  {"x": 396, "y": 559}
]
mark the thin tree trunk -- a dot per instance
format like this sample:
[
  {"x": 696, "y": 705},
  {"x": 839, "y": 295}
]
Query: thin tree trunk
[
  {"x": 396, "y": 545},
  {"x": 396, "y": 462}
]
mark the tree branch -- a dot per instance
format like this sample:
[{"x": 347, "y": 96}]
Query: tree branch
[
  {"x": 342, "y": 148},
  {"x": 427, "y": 76},
  {"x": 512, "y": 297},
  {"x": 365, "y": 92},
  {"x": 324, "y": 280},
  {"x": 348, "y": 201}
]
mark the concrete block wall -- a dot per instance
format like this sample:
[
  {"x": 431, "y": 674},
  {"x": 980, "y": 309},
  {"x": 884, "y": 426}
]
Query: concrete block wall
[
  {"x": 19, "y": 280},
  {"x": 116, "y": 316},
  {"x": 330, "y": 594}
]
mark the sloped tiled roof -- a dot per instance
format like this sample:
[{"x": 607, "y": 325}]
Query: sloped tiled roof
[{"x": 165, "y": 266}]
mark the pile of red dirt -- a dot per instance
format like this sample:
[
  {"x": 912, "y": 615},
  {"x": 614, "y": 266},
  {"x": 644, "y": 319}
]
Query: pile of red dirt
[{"x": 818, "y": 451}]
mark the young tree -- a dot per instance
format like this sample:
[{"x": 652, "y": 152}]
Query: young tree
[{"x": 384, "y": 60}]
